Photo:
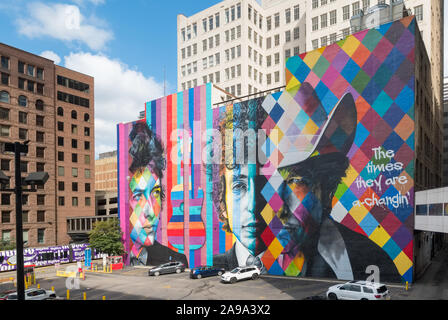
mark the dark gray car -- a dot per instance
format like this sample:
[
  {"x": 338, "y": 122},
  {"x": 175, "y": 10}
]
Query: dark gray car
[{"x": 170, "y": 267}]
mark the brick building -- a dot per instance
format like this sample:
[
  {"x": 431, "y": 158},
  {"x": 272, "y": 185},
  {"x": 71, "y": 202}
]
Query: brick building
[{"x": 53, "y": 108}]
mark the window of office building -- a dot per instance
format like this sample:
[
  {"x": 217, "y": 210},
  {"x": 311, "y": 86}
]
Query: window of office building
[
  {"x": 23, "y": 134},
  {"x": 346, "y": 12},
  {"x": 40, "y": 216},
  {"x": 5, "y": 79},
  {"x": 4, "y": 62},
  {"x": 4, "y": 164},
  {"x": 39, "y": 105},
  {"x": 40, "y": 199},
  {"x": 277, "y": 20},
  {"x": 40, "y": 167},
  {"x": 61, "y": 171},
  {"x": 40, "y": 236},
  {"x": 23, "y": 117},
  {"x": 25, "y": 237},
  {"x": 6, "y": 199},
  {"x": 40, "y": 136},
  {"x": 40, "y": 152},
  {"x": 6, "y": 216},
  {"x": 61, "y": 201},
  {"x": 23, "y": 101},
  {"x": 4, "y": 114},
  {"x": 6, "y": 236},
  {"x": 333, "y": 17},
  {"x": 39, "y": 121},
  {"x": 4, "y": 96},
  {"x": 288, "y": 15},
  {"x": 315, "y": 23},
  {"x": 61, "y": 185},
  {"x": 418, "y": 12}
]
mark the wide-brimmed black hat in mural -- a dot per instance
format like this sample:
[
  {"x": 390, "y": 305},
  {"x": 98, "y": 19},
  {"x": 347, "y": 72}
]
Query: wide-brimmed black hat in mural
[{"x": 303, "y": 127}]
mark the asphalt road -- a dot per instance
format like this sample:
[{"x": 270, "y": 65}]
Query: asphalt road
[{"x": 133, "y": 283}]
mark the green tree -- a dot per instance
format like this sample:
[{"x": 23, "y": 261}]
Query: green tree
[
  {"x": 6, "y": 245},
  {"x": 105, "y": 237}
]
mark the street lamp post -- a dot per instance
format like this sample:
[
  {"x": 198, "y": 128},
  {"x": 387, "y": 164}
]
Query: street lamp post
[{"x": 36, "y": 178}]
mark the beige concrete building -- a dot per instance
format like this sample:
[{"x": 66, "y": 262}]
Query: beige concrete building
[
  {"x": 53, "y": 108},
  {"x": 241, "y": 45},
  {"x": 106, "y": 171}
]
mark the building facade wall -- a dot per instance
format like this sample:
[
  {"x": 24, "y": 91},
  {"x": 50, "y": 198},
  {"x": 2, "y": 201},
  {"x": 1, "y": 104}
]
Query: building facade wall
[
  {"x": 78, "y": 147},
  {"x": 351, "y": 100},
  {"x": 46, "y": 125},
  {"x": 38, "y": 121}
]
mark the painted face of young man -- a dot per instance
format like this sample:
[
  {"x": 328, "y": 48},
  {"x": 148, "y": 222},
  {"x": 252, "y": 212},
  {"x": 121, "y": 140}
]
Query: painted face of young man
[
  {"x": 240, "y": 203},
  {"x": 146, "y": 205},
  {"x": 300, "y": 215}
]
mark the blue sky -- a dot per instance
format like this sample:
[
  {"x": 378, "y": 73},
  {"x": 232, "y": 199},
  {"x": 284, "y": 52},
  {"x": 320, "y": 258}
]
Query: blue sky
[{"x": 125, "y": 45}]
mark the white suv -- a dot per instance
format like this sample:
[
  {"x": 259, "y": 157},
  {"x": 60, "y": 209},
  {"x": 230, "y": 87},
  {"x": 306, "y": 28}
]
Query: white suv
[
  {"x": 240, "y": 273},
  {"x": 358, "y": 290}
]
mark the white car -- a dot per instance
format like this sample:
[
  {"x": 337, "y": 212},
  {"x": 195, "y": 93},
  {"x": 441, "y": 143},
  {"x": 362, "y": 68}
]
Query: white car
[
  {"x": 31, "y": 294},
  {"x": 358, "y": 290},
  {"x": 240, "y": 273}
]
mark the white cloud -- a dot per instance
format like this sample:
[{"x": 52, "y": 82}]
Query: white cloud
[
  {"x": 94, "y": 2},
  {"x": 63, "y": 22},
  {"x": 51, "y": 55},
  {"x": 120, "y": 94}
]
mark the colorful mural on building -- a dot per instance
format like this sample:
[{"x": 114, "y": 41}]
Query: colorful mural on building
[{"x": 316, "y": 180}]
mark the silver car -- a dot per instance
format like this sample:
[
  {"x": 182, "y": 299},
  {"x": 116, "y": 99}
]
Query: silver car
[{"x": 31, "y": 294}]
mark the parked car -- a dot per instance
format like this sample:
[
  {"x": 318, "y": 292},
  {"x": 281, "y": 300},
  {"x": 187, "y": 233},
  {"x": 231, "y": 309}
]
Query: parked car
[
  {"x": 30, "y": 294},
  {"x": 358, "y": 290},
  {"x": 170, "y": 267},
  {"x": 241, "y": 273},
  {"x": 206, "y": 271}
]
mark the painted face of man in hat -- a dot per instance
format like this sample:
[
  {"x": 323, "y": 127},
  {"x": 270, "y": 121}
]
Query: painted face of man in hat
[{"x": 311, "y": 169}]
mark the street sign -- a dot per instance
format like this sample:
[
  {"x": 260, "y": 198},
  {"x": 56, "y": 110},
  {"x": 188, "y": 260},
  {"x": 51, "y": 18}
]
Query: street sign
[{"x": 87, "y": 257}]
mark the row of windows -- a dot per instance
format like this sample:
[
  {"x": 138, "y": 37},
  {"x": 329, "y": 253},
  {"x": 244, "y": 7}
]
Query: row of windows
[
  {"x": 61, "y": 157},
  {"x": 75, "y": 187},
  {"x": 212, "y": 22},
  {"x": 274, "y": 21},
  {"x": 234, "y": 72},
  {"x": 74, "y": 143},
  {"x": 23, "y": 68},
  {"x": 73, "y": 84},
  {"x": 6, "y": 165},
  {"x": 235, "y": 33},
  {"x": 6, "y": 199},
  {"x": 74, "y": 114},
  {"x": 233, "y": 13},
  {"x": 31, "y": 86},
  {"x": 74, "y": 129},
  {"x": 75, "y": 172},
  {"x": 40, "y": 216},
  {"x": 5, "y": 130},
  {"x": 6, "y": 236},
  {"x": 70, "y": 98},
  {"x": 75, "y": 201},
  {"x": 21, "y": 100},
  {"x": 30, "y": 70}
]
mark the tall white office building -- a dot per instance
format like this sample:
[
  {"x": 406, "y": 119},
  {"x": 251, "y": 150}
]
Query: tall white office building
[{"x": 242, "y": 45}]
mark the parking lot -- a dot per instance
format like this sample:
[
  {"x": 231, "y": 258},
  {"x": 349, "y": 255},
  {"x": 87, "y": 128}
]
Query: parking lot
[{"x": 133, "y": 283}]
